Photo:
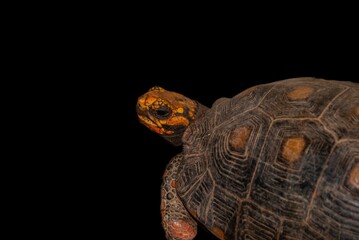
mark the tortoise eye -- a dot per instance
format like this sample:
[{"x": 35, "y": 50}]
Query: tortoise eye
[{"x": 162, "y": 112}]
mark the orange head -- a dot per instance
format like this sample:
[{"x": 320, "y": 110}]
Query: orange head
[{"x": 167, "y": 113}]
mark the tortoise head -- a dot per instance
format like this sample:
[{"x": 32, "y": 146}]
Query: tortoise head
[{"x": 167, "y": 113}]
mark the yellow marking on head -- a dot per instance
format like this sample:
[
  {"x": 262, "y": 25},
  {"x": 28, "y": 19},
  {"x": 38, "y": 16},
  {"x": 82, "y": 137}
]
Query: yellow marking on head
[
  {"x": 180, "y": 110},
  {"x": 293, "y": 148},
  {"x": 176, "y": 120},
  {"x": 300, "y": 93},
  {"x": 151, "y": 100}
]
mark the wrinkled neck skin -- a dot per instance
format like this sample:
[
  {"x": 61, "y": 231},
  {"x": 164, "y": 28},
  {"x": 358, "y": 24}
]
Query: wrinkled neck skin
[{"x": 176, "y": 138}]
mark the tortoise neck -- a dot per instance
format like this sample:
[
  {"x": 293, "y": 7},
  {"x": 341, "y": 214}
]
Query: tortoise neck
[
  {"x": 176, "y": 139},
  {"x": 201, "y": 110}
]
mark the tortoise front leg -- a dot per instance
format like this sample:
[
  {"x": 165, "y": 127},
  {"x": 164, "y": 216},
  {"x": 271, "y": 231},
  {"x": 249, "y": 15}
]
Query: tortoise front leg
[{"x": 176, "y": 221}]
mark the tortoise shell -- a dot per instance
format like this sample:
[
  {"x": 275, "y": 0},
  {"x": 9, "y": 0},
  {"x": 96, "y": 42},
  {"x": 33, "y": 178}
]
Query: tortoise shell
[{"x": 276, "y": 161}]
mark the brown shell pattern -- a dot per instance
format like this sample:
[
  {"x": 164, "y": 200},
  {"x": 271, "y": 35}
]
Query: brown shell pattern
[{"x": 277, "y": 161}]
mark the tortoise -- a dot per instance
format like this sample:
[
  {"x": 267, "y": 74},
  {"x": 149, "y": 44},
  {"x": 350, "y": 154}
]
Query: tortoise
[{"x": 279, "y": 160}]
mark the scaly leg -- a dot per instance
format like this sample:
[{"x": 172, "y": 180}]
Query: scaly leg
[{"x": 176, "y": 221}]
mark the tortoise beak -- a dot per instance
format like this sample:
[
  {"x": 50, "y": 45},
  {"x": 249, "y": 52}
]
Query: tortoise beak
[{"x": 139, "y": 109}]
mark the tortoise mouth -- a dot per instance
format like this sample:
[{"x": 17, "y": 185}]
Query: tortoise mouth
[
  {"x": 152, "y": 125},
  {"x": 144, "y": 119},
  {"x": 147, "y": 121}
]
